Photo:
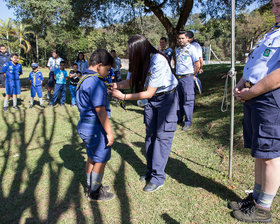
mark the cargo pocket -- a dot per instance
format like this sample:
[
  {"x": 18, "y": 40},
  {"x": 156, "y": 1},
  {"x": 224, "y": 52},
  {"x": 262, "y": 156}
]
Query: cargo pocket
[
  {"x": 170, "y": 123},
  {"x": 269, "y": 137},
  {"x": 90, "y": 137}
]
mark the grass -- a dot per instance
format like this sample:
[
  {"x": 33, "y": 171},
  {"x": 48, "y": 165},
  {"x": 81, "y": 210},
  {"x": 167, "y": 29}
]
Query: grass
[{"x": 42, "y": 161}]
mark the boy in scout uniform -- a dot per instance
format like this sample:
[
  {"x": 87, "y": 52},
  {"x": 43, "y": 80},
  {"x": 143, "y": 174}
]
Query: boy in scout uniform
[{"x": 12, "y": 70}]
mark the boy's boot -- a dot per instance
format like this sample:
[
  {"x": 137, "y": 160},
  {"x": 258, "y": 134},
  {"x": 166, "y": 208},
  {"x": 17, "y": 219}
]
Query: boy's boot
[{"x": 101, "y": 195}]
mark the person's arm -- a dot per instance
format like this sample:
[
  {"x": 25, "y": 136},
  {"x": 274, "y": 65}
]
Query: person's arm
[
  {"x": 267, "y": 84},
  {"x": 71, "y": 75},
  {"x": 196, "y": 67},
  {"x": 124, "y": 84},
  {"x": 201, "y": 65},
  {"x": 147, "y": 94},
  {"x": 103, "y": 117}
]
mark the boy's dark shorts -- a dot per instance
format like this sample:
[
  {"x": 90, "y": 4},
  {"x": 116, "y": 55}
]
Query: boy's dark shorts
[
  {"x": 261, "y": 125},
  {"x": 51, "y": 80},
  {"x": 95, "y": 139}
]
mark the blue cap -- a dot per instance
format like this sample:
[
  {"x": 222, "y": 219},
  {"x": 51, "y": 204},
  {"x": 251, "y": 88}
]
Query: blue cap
[{"x": 34, "y": 65}]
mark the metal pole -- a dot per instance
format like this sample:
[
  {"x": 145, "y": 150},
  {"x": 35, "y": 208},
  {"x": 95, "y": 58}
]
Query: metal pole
[{"x": 233, "y": 82}]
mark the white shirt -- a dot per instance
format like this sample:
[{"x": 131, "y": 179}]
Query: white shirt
[
  {"x": 54, "y": 63},
  {"x": 185, "y": 59}
]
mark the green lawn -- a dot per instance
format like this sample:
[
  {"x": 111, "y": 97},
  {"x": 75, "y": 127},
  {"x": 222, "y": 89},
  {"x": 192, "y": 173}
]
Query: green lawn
[{"x": 42, "y": 161}]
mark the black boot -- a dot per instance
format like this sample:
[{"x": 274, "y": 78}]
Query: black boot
[{"x": 101, "y": 195}]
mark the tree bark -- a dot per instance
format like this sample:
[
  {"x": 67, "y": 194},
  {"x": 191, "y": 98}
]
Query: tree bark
[
  {"x": 170, "y": 29},
  {"x": 37, "y": 48}
]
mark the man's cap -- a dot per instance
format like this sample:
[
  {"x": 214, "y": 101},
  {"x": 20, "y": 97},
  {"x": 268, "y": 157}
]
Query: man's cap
[{"x": 34, "y": 65}]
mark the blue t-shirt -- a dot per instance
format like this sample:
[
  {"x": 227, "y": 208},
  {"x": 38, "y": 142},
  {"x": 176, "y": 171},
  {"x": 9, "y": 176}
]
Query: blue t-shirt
[
  {"x": 92, "y": 93},
  {"x": 13, "y": 71},
  {"x": 36, "y": 78},
  {"x": 4, "y": 58},
  {"x": 60, "y": 76}
]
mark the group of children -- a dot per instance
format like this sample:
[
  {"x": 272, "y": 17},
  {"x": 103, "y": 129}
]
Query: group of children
[{"x": 57, "y": 79}]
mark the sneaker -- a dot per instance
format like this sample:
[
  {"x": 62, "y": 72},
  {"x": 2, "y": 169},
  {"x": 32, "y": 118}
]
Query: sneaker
[
  {"x": 186, "y": 127},
  {"x": 30, "y": 106},
  {"x": 101, "y": 195},
  {"x": 244, "y": 203},
  {"x": 150, "y": 187},
  {"x": 16, "y": 107},
  {"x": 253, "y": 214},
  {"x": 42, "y": 106},
  {"x": 5, "y": 108}
]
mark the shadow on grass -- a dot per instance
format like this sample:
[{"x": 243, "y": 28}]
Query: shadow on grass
[
  {"x": 23, "y": 194},
  {"x": 179, "y": 171}
]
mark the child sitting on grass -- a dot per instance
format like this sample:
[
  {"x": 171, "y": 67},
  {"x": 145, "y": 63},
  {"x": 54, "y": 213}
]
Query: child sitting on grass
[
  {"x": 36, "y": 78},
  {"x": 94, "y": 127}
]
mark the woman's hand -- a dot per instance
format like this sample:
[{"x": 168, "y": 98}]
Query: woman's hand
[{"x": 116, "y": 93}]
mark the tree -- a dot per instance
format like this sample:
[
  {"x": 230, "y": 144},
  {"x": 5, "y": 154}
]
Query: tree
[
  {"x": 21, "y": 31},
  {"x": 7, "y": 29},
  {"x": 114, "y": 11}
]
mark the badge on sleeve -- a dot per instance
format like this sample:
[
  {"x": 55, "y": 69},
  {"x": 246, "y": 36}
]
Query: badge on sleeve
[{"x": 266, "y": 52}]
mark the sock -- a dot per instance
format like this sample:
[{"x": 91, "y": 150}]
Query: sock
[
  {"x": 257, "y": 190},
  {"x": 88, "y": 179},
  {"x": 265, "y": 200},
  {"x": 96, "y": 179},
  {"x": 41, "y": 101},
  {"x": 6, "y": 103},
  {"x": 14, "y": 102},
  {"x": 31, "y": 101}
]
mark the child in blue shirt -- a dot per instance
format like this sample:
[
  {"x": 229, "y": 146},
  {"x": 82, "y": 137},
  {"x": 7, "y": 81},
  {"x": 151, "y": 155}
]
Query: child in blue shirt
[
  {"x": 94, "y": 127},
  {"x": 12, "y": 70},
  {"x": 60, "y": 75},
  {"x": 36, "y": 78}
]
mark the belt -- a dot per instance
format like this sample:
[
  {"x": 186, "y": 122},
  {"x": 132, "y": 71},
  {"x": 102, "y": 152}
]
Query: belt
[
  {"x": 248, "y": 84},
  {"x": 184, "y": 76},
  {"x": 166, "y": 92},
  {"x": 90, "y": 121}
]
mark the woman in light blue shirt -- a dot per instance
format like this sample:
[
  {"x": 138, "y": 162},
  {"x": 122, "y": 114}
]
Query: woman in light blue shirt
[
  {"x": 151, "y": 78},
  {"x": 81, "y": 62}
]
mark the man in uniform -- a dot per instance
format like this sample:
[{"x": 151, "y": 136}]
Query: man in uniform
[
  {"x": 164, "y": 49},
  {"x": 190, "y": 36},
  {"x": 4, "y": 58},
  {"x": 187, "y": 65}
]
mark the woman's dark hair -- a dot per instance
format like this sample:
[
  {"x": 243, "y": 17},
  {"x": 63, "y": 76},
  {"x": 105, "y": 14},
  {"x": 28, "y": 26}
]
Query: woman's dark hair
[
  {"x": 140, "y": 50},
  {"x": 101, "y": 56},
  {"x": 80, "y": 53}
]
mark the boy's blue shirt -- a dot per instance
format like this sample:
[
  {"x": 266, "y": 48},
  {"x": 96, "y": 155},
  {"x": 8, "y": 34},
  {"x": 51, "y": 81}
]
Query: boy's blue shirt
[
  {"x": 92, "y": 93},
  {"x": 60, "y": 76},
  {"x": 13, "y": 71},
  {"x": 36, "y": 78}
]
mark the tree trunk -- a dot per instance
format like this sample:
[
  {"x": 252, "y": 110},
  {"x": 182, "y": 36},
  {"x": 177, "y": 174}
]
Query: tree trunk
[
  {"x": 171, "y": 31},
  {"x": 37, "y": 48},
  {"x": 7, "y": 36}
]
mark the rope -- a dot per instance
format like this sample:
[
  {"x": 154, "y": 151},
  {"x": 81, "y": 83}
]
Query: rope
[{"x": 225, "y": 102}]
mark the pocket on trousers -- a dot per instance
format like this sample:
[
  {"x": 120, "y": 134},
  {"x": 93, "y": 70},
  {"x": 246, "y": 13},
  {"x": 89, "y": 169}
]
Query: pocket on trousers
[
  {"x": 90, "y": 137},
  {"x": 170, "y": 123},
  {"x": 269, "y": 137}
]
